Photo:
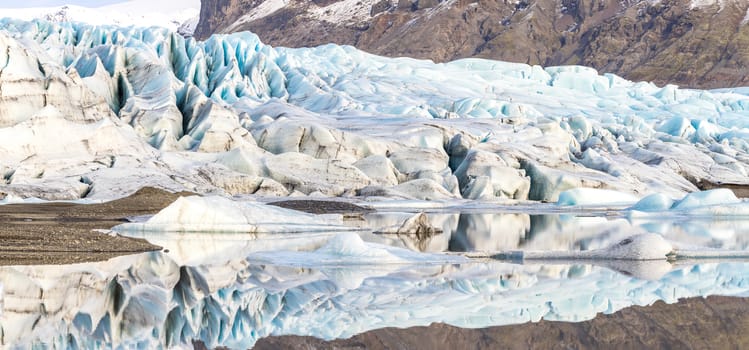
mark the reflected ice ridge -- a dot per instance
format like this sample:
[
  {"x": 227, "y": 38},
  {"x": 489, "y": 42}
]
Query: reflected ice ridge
[
  {"x": 508, "y": 231},
  {"x": 234, "y": 294}
]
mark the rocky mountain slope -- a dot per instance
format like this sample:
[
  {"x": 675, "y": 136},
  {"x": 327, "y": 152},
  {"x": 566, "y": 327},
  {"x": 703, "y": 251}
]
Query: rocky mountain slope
[{"x": 691, "y": 43}]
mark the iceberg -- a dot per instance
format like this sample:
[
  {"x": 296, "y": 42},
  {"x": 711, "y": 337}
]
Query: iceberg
[
  {"x": 591, "y": 196},
  {"x": 220, "y": 214},
  {"x": 711, "y": 203}
]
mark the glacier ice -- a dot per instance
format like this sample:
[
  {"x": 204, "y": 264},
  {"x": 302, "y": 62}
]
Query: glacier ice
[
  {"x": 230, "y": 289},
  {"x": 346, "y": 120},
  {"x": 346, "y": 249}
]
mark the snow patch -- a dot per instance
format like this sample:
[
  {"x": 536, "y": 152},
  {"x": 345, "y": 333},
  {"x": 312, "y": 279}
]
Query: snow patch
[
  {"x": 697, "y": 4},
  {"x": 345, "y": 11}
]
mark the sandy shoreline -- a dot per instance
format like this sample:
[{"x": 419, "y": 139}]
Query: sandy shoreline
[{"x": 63, "y": 233}]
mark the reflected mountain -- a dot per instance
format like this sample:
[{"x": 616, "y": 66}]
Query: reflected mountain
[{"x": 698, "y": 323}]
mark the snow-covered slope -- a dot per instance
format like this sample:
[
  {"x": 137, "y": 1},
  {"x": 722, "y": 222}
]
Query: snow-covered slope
[
  {"x": 233, "y": 115},
  {"x": 179, "y": 16}
]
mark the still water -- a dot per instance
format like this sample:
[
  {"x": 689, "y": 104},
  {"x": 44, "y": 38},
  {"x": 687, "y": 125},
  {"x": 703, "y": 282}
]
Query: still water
[{"x": 232, "y": 290}]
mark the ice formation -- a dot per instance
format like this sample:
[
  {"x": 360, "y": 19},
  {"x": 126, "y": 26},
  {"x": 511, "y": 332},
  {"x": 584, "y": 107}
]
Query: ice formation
[
  {"x": 712, "y": 203},
  {"x": 233, "y": 116},
  {"x": 591, "y": 196},
  {"x": 219, "y": 214}
]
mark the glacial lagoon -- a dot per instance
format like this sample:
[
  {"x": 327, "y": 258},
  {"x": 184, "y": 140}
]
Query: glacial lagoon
[{"x": 232, "y": 289}]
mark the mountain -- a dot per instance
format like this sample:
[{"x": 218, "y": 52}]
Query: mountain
[
  {"x": 181, "y": 16},
  {"x": 693, "y": 43}
]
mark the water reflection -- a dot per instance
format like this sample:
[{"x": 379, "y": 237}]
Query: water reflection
[
  {"x": 148, "y": 301},
  {"x": 520, "y": 231},
  {"x": 213, "y": 288}
]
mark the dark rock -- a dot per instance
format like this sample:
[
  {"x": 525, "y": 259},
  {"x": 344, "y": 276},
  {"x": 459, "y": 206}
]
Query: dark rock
[
  {"x": 321, "y": 206},
  {"x": 425, "y": 4},
  {"x": 405, "y": 4},
  {"x": 380, "y": 7}
]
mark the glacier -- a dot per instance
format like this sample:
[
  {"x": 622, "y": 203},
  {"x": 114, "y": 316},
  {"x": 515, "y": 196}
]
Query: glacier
[
  {"x": 489, "y": 156},
  {"x": 232, "y": 116}
]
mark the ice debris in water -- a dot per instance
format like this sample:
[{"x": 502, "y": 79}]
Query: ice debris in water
[
  {"x": 351, "y": 245},
  {"x": 718, "y": 202},
  {"x": 592, "y": 196}
]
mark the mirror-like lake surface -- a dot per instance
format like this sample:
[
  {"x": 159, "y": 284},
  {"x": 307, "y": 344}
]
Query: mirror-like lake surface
[{"x": 233, "y": 289}]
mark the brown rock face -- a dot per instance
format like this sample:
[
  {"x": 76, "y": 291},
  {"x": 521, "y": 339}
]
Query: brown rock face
[{"x": 664, "y": 42}]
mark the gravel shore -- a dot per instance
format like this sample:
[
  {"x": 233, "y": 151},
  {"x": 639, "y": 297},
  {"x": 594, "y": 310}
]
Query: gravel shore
[{"x": 65, "y": 233}]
